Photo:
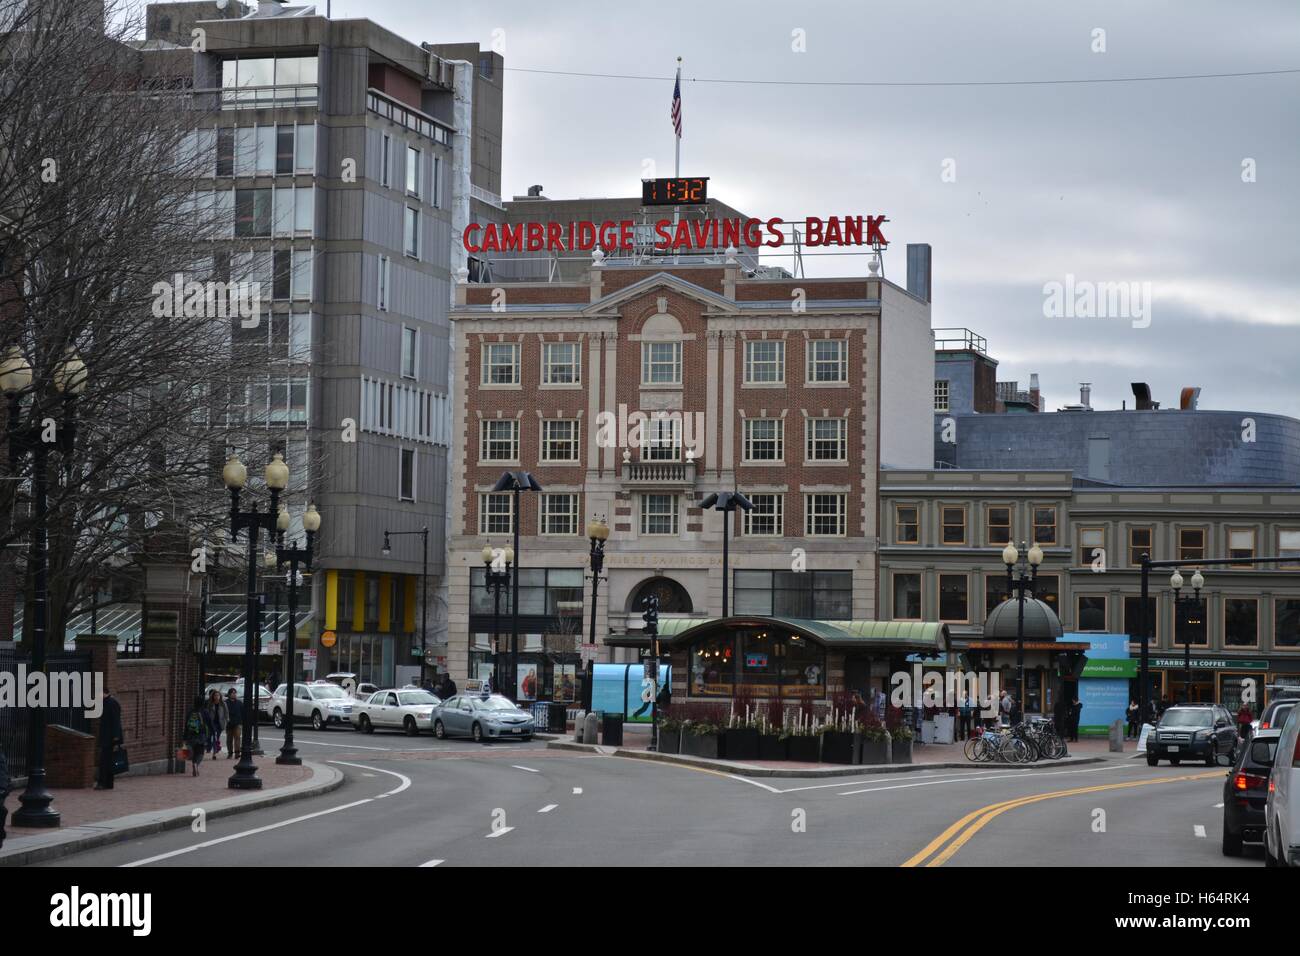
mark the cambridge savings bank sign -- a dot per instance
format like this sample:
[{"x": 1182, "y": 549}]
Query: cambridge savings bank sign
[{"x": 669, "y": 236}]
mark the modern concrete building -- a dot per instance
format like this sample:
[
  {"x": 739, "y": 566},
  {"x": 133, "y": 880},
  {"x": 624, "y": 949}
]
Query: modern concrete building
[{"x": 796, "y": 409}]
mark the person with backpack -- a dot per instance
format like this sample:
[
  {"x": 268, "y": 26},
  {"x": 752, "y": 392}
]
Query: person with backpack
[{"x": 197, "y": 733}]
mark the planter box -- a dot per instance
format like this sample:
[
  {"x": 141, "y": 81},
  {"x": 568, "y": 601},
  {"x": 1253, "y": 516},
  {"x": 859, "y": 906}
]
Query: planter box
[
  {"x": 701, "y": 745},
  {"x": 902, "y": 751},
  {"x": 772, "y": 747},
  {"x": 740, "y": 743},
  {"x": 670, "y": 741},
  {"x": 837, "y": 747},
  {"x": 874, "y": 752},
  {"x": 804, "y": 749}
]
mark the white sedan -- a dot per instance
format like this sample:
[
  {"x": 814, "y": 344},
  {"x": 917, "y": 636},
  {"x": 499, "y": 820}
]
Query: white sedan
[
  {"x": 321, "y": 703},
  {"x": 409, "y": 709}
]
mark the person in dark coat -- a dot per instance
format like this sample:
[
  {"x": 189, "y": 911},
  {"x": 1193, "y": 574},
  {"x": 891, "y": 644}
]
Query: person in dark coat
[
  {"x": 1076, "y": 708},
  {"x": 196, "y": 733},
  {"x": 110, "y": 738},
  {"x": 1061, "y": 717},
  {"x": 447, "y": 689}
]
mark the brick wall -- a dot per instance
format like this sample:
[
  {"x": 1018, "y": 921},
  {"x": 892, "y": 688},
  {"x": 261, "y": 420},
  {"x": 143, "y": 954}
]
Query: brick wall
[{"x": 70, "y": 758}]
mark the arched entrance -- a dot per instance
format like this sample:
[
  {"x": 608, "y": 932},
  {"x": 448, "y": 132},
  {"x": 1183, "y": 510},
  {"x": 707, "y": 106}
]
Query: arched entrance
[{"x": 673, "y": 598}]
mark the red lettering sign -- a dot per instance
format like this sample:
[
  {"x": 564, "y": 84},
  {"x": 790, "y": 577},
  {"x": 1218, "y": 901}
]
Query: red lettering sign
[{"x": 684, "y": 235}]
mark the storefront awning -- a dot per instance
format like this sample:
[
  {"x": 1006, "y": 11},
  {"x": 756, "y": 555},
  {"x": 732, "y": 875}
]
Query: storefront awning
[
  {"x": 917, "y": 636},
  {"x": 125, "y": 621}
]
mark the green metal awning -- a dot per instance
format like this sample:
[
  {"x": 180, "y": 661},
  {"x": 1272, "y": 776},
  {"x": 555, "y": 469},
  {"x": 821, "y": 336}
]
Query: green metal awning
[{"x": 894, "y": 635}]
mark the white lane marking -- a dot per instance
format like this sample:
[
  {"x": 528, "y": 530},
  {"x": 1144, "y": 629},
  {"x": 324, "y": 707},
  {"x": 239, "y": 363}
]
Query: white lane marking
[
  {"x": 502, "y": 832},
  {"x": 529, "y": 769},
  {"x": 1218, "y": 806},
  {"x": 548, "y": 808},
  {"x": 577, "y": 790},
  {"x": 367, "y": 775},
  {"x": 406, "y": 782},
  {"x": 1018, "y": 775},
  {"x": 1199, "y": 831},
  {"x": 432, "y": 863},
  {"x": 754, "y": 782}
]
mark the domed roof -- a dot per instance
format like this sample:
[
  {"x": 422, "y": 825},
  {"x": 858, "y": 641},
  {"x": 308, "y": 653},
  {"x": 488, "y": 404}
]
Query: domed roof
[{"x": 1041, "y": 622}]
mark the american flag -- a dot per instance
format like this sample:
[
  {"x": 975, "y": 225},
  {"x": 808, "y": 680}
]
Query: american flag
[{"x": 677, "y": 105}]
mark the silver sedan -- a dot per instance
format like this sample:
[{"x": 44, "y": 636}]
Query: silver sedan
[{"x": 482, "y": 718}]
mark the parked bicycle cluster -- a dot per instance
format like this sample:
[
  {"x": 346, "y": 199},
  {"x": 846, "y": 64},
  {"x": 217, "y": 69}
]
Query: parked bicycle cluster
[{"x": 1022, "y": 743}]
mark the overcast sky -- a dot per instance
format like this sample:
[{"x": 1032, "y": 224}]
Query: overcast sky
[{"x": 1116, "y": 182}]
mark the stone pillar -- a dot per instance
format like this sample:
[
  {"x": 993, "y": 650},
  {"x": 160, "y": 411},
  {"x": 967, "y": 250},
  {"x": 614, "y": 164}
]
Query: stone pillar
[{"x": 171, "y": 604}]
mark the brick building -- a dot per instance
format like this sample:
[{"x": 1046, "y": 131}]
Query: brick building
[{"x": 796, "y": 406}]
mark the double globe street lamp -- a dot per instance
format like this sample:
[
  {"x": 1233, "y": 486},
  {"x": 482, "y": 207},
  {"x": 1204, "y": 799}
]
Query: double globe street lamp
[
  {"x": 1180, "y": 602},
  {"x": 295, "y": 557},
  {"x": 69, "y": 381},
  {"x": 1021, "y": 574},
  {"x": 497, "y": 563}
]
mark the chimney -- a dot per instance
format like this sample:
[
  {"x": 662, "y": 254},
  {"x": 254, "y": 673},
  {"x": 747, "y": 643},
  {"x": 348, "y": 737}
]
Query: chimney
[
  {"x": 1085, "y": 394},
  {"x": 534, "y": 191},
  {"x": 1034, "y": 395},
  {"x": 918, "y": 269}
]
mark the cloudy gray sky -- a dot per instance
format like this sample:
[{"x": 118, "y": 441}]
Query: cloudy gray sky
[{"x": 1115, "y": 182}]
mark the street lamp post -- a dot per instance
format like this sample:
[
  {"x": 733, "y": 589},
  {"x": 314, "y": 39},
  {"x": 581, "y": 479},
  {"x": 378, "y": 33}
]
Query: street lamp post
[
  {"x": 1180, "y": 602},
  {"x": 234, "y": 475},
  {"x": 726, "y": 502},
  {"x": 496, "y": 575},
  {"x": 424, "y": 588},
  {"x": 69, "y": 379},
  {"x": 294, "y": 557},
  {"x": 205, "y": 645},
  {"x": 1019, "y": 582},
  {"x": 517, "y": 482},
  {"x": 598, "y": 534}
]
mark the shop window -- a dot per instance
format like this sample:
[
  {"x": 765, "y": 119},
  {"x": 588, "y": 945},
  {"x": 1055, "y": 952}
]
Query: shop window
[
  {"x": 1190, "y": 623},
  {"x": 954, "y": 603},
  {"x": 1240, "y": 622},
  {"x": 1091, "y": 613},
  {"x": 907, "y": 597},
  {"x": 713, "y": 667}
]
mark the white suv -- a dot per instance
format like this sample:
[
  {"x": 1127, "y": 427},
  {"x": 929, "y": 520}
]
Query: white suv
[
  {"x": 321, "y": 703},
  {"x": 1282, "y": 811}
]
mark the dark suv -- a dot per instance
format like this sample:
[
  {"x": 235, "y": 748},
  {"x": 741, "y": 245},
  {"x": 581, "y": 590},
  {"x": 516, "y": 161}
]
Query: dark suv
[
  {"x": 1194, "y": 732},
  {"x": 1246, "y": 792}
]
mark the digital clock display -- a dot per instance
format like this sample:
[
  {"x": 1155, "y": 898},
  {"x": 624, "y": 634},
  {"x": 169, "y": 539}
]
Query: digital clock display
[{"x": 678, "y": 191}]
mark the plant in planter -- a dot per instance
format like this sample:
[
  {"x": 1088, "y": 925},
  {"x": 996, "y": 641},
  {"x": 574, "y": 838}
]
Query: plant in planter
[
  {"x": 837, "y": 734},
  {"x": 802, "y": 740},
  {"x": 875, "y": 743},
  {"x": 670, "y": 735},
  {"x": 771, "y": 739},
  {"x": 901, "y": 749},
  {"x": 702, "y": 730},
  {"x": 740, "y": 738}
]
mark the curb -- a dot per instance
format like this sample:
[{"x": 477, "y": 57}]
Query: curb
[
  {"x": 88, "y": 836},
  {"x": 747, "y": 770}
]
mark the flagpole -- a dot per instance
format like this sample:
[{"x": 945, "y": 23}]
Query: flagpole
[{"x": 677, "y": 162}]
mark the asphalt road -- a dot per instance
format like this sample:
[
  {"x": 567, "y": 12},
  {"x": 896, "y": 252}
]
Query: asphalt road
[{"x": 418, "y": 801}]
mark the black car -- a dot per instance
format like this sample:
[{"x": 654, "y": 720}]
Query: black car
[
  {"x": 1246, "y": 791},
  {"x": 1192, "y": 732}
]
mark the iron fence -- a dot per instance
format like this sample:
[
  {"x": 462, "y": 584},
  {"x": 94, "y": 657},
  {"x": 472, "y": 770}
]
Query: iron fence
[{"x": 14, "y": 721}]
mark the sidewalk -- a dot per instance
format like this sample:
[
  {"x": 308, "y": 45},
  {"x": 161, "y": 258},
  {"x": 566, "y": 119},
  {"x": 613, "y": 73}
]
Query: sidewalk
[
  {"x": 138, "y": 805},
  {"x": 924, "y": 757}
]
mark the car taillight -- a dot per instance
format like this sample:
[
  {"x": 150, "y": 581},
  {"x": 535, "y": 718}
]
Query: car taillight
[
  {"x": 1248, "y": 781},
  {"x": 1263, "y": 725}
]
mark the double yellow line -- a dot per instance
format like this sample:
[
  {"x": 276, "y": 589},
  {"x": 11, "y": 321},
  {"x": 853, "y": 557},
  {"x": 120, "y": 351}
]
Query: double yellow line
[{"x": 965, "y": 828}]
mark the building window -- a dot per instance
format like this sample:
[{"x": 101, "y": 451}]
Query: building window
[
  {"x": 764, "y": 439},
  {"x": 559, "y": 514},
  {"x": 1139, "y": 543},
  {"x": 819, "y": 595},
  {"x": 501, "y": 363},
  {"x": 1288, "y": 546},
  {"x": 764, "y": 362},
  {"x": 385, "y": 160},
  {"x": 995, "y": 591},
  {"x": 828, "y": 361},
  {"x": 661, "y": 363},
  {"x": 561, "y": 363},
  {"x": 253, "y": 209},
  {"x": 406, "y": 489},
  {"x": 289, "y": 400},
  {"x": 998, "y": 521},
  {"x": 907, "y": 524},
  {"x": 496, "y": 513},
  {"x": 411, "y": 237},
  {"x": 954, "y": 599},
  {"x": 765, "y": 519},
  {"x": 1133, "y": 618},
  {"x": 485, "y": 66},
  {"x": 907, "y": 597},
  {"x": 953, "y": 522},
  {"x": 1190, "y": 623},
  {"x": 499, "y": 439},
  {"x": 385, "y": 281},
  {"x": 412, "y": 171},
  {"x": 1240, "y": 622},
  {"x": 1286, "y": 622},
  {"x": 659, "y": 514},
  {"x": 1191, "y": 544},
  {"x": 410, "y": 349},
  {"x": 828, "y": 439},
  {"x": 1241, "y": 542},
  {"x": 560, "y": 440},
  {"x": 304, "y": 151},
  {"x": 662, "y": 439},
  {"x": 1045, "y": 524},
  {"x": 825, "y": 515},
  {"x": 301, "y": 279},
  {"x": 435, "y": 195},
  {"x": 941, "y": 395},
  {"x": 1092, "y": 544},
  {"x": 1090, "y": 613},
  {"x": 284, "y": 149},
  {"x": 225, "y": 151}
]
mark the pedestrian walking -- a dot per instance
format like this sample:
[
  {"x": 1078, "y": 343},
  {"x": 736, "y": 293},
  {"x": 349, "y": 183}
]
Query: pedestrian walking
[
  {"x": 110, "y": 738},
  {"x": 218, "y": 717},
  {"x": 1076, "y": 708},
  {"x": 196, "y": 733},
  {"x": 447, "y": 689},
  {"x": 1061, "y": 717},
  {"x": 965, "y": 725},
  {"x": 1244, "y": 718},
  {"x": 1005, "y": 704},
  {"x": 234, "y": 725},
  {"x": 1132, "y": 729}
]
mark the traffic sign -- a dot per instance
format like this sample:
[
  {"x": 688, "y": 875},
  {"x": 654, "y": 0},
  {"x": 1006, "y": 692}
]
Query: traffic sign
[{"x": 327, "y": 639}]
